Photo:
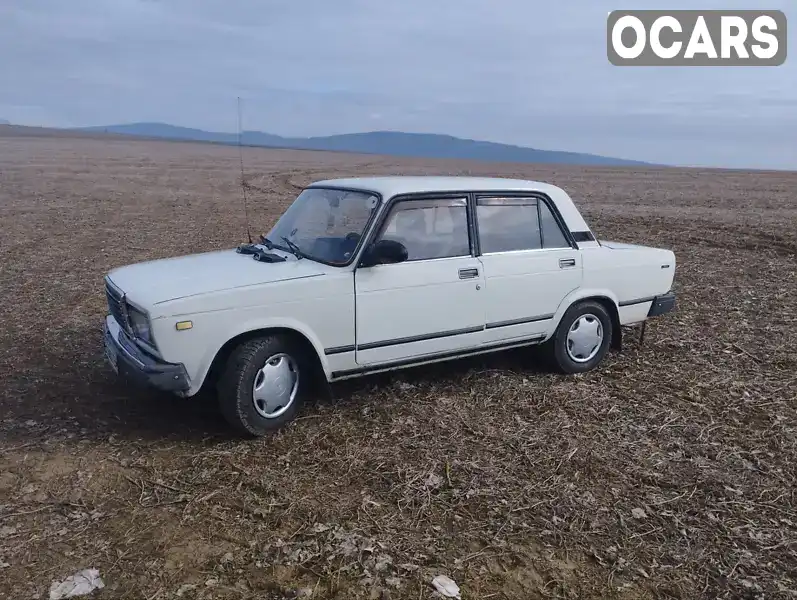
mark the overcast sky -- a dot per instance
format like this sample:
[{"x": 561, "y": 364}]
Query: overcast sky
[{"x": 514, "y": 71}]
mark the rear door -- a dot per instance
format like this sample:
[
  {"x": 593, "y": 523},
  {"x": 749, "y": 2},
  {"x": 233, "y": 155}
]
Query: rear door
[
  {"x": 430, "y": 304},
  {"x": 529, "y": 265}
]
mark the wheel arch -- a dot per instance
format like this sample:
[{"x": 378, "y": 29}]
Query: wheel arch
[
  {"x": 614, "y": 312},
  {"x": 604, "y": 297},
  {"x": 223, "y": 353}
]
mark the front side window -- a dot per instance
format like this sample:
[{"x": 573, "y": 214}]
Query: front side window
[
  {"x": 430, "y": 228},
  {"x": 325, "y": 224}
]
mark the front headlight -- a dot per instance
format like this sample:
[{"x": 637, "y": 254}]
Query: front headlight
[{"x": 139, "y": 322}]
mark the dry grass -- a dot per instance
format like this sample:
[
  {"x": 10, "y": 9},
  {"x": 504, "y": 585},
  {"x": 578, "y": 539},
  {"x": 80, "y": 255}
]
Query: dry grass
[{"x": 668, "y": 473}]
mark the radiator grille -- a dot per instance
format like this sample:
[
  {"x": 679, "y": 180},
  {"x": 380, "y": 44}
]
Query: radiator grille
[{"x": 116, "y": 305}]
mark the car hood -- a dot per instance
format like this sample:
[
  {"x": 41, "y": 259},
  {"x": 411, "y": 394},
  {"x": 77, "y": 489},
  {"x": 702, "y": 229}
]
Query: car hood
[{"x": 158, "y": 281}]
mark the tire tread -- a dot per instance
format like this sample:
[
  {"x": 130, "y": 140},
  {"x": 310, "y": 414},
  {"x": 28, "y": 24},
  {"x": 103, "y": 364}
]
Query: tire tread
[{"x": 231, "y": 380}]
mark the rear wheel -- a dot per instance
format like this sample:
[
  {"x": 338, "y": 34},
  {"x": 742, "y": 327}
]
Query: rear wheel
[
  {"x": 582, "y": 338},
  {"x": 262, "y": 385}
]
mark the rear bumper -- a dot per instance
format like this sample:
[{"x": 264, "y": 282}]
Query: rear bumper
[
  {"x": 662, "y": 304},
  {"x": 132, "y": 363}
]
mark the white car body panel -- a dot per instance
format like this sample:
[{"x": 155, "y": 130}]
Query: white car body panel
[
  {"x": 524, "y": 289},
  {"x": 156, "y": 282},
  {"x": 226, "y": 313},
  {"x": 632, "y": 273},
  {"x": 388, "y": 316},
  {"x": 411, "y": 300}
]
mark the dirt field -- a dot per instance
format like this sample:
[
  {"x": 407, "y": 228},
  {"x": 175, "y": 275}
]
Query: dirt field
[{"x": 667, "y": 473}]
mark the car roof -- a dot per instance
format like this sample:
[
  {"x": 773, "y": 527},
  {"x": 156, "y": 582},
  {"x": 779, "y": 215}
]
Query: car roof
[{"x": 389, "y": 186}]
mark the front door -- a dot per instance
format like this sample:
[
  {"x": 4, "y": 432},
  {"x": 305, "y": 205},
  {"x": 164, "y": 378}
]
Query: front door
[
  {"x": 430, "y": 304},
  {"x": 529, "y": 266}
]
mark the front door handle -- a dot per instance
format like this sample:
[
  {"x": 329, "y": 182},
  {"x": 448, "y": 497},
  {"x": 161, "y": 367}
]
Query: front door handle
[
  {"x": 567, "y": 262},
  {"x": 468, "y": 273}
]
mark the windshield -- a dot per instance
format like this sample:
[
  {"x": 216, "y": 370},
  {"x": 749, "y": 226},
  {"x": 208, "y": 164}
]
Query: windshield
[{"x": 324, "y": 224}]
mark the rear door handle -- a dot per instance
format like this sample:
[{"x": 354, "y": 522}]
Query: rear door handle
[
  {"x": 567, "y": 262},
  {"x": 468, "y": 273}
]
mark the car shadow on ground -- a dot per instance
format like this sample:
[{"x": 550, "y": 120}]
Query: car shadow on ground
[{"x": 89, "y": 402}]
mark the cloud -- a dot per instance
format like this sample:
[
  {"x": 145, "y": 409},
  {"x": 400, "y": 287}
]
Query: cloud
[{"x": 527, "y": 73}]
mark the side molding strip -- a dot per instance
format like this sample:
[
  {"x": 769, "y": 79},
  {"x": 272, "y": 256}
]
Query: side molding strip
[
  {"x": 637, "y": 301},
  {"x": 518, "y": 321},
  {"x": 339, "y": 350},
  {"x": 437, "y": 357},
  {"x": 419, "y": 338},
  {"x": 434, "y": 336}
]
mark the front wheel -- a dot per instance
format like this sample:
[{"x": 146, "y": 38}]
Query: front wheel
[
  {"x": 582, "y": 338},
  {"x": 260, "y": 389}
]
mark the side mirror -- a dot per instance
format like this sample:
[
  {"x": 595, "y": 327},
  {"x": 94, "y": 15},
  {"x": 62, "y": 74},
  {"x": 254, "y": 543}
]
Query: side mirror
[{"x": 384, "y": 252}]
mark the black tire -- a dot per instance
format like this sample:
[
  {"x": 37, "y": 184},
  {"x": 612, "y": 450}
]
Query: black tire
[
  {"x": 558, "y": 344},
  {"x": 236, "y": 384}
]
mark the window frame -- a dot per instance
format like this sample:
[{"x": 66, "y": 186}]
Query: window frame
[
  {"x": 361, "y": 243},
  {"x": 389, "y": 210},
  {"x": 537, "y": 197},
  {"x": 376, "y": 227}
]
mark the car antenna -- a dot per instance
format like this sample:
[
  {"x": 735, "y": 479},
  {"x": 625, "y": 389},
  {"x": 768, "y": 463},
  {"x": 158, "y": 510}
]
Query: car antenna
[{"x": 243, "y": 177}]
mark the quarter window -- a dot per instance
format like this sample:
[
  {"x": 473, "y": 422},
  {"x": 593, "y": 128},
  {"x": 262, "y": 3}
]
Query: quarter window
[
  {"x": 430, "y": 228},
  {"x": 552, "y": 235}
]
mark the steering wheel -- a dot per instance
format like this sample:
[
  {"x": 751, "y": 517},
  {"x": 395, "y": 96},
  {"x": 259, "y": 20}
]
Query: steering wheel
[{"x": 349, "y": 243}]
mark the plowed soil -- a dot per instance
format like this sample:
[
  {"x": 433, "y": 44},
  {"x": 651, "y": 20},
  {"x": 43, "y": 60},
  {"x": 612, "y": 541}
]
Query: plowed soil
[{"x": 669, "y": 472}]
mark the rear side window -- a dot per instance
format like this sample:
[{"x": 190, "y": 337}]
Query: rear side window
[
  {"x": 552, "y": 235},
  {"x": 508, "y": 224}
]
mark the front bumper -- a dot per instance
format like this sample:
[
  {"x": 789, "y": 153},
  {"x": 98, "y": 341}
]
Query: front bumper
[
  {"x": 662, "y": 304},
  {"x": 133, "y": 363}
]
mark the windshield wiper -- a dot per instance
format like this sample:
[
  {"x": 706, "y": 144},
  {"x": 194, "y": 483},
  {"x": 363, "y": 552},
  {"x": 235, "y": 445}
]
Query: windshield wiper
[
  {"x": 295, "y": 250},
  {"x": 266, "y": 242}
]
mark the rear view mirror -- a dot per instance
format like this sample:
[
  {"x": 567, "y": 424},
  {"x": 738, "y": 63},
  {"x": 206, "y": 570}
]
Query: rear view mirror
[{"x": 384, "y": 252}]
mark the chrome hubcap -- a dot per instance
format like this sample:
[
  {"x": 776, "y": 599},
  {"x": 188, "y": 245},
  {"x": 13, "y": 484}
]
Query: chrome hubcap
[
  {"x": 276, "y": 385},
  {"x": 584, "y": 338}
]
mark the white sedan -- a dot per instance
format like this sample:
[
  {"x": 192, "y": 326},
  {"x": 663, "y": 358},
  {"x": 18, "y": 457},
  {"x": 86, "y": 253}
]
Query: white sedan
[{"x": 372, "y": 274}]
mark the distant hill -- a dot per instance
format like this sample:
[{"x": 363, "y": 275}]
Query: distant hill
[
  {"x": 391, "y": 143},
  {"x": 4, "y": 122}
]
